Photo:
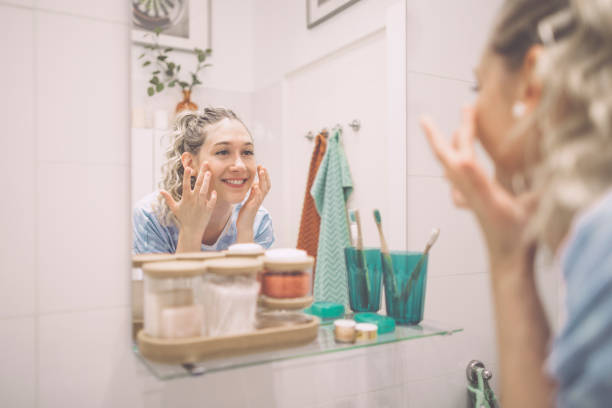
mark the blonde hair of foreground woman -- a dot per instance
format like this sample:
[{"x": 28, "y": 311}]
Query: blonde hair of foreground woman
[{"x": 576, "y": 134}]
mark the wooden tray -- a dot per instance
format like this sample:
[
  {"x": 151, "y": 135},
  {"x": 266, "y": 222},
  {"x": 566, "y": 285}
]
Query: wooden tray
[{"x": 195, "y": 349}]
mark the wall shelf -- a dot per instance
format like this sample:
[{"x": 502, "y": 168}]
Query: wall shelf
[{"x": 324, "y": 344}]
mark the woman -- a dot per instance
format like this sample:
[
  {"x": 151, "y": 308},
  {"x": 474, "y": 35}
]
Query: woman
[
  {"x": 210, "y": 168},
  {"x": 544, "y": 115}
]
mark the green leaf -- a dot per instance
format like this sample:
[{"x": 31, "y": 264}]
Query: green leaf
[
  {"x": 171, "y": 65},
  {"x": 208, "y": 51},
  {"x": 183, "y": 84},
  {"x": 171, "y": 84},
  {"x": 159, "y": 87},
  {"x": 206, "y": 65},
  {"x": 154, "y": 80},
  {"x": 150, "y": 91},
  {"x": 141, "y": 55},
  {"x": 178, "y": 68},
  {"x": 198, "y": 50},
  {"x": 162, "y": 57},
  {"x": 144, "y": 64},
  {"x": 168, "y": 49},
  {"x": 156, "y": 72},
  {"x": 157, "y": 30},
  {"x": 201, "y": 57}
]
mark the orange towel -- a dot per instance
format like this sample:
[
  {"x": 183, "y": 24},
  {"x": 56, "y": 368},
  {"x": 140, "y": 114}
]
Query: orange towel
[{"x": 308, "y": 237}]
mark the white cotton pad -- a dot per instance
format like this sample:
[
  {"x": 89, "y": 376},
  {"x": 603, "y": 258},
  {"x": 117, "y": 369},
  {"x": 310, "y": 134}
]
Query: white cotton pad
[
  {"x": 245, "y": 249},
  {"x": 286, "y": 254}
]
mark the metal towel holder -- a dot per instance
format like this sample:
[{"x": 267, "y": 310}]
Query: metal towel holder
[{"x": 355, "y": 124}]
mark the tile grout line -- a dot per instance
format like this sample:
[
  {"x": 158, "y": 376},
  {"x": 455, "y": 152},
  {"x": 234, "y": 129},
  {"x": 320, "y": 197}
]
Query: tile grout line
[{"x": 36, "y": 214}]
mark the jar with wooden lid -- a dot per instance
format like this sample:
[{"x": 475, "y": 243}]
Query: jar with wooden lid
[
  {"x": 138, "y": 285},
  {"x": 172, "y": 303},
  {"x": 199, "y": 256},
  {"x": 229, "y": 295},
  {"x": 287, "y": 276}
]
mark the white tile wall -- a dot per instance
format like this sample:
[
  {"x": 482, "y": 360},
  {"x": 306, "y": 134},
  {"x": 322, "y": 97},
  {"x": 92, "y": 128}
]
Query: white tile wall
[
  {"x": 116, "y": 11},
  {"x": 85, "y": 360},
  {"x": 18, "y": 372},
  {"x": 446, "y": 38},
  {"x": 85, "y": 61},
  {"x": 18, "y": 165},
  {"x": 83, "y": 217}
]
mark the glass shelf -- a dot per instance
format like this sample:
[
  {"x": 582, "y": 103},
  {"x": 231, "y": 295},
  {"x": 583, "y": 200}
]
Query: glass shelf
[{"x": 323, "y": 344}]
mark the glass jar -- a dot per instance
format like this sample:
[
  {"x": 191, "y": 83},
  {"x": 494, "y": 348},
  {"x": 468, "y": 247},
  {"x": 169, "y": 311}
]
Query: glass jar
[
  {"x": 172, "y": 304},
  {"x": 229, "y": 295},
  {"x": 199, "y": 256},
  {"x": 287, "y": 274},
  {"x": 138, "y": 285}
]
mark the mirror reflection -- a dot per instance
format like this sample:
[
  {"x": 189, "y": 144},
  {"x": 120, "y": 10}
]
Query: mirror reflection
[{"x": 268, "y": 129}]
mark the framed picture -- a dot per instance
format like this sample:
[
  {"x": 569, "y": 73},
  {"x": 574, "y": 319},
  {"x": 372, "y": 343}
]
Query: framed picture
[
  {"x": 317, "y": 11},
  {"x": 185, "y": 24}
]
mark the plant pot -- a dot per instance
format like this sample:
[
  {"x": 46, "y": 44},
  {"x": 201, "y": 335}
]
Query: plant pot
[{"x": 186, "y": 103}]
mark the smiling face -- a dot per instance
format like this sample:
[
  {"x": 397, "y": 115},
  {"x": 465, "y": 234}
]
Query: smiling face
[{"x": 230, "y": 154}]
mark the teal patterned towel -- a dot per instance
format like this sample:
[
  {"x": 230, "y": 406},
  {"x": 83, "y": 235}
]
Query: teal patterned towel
[{"x": 331, "y": 189}]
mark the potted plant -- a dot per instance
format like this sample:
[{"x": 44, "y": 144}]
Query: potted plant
[{"x": 167, "y": 74}]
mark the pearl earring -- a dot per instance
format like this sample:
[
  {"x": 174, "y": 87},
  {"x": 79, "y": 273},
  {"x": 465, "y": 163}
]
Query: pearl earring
[{"x": 518, "y": 109}]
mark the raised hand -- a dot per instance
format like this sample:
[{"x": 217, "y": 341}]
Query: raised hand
[
  {"x": 194, "y": 209},
  {"x": 246, "y": 217},
  {"x": 501, "y": 215}
]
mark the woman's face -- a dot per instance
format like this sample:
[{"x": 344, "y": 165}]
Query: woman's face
[
  {"x": 230, "y": 154},
  {"x": 498, "y": 91}
]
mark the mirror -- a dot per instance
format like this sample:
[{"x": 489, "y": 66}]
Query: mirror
[{"x": 285, "y": 81}]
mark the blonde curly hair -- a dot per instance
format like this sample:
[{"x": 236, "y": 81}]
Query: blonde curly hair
[
  {"x": 188, "y": 135},
  {"x": 574, "y": 117}
]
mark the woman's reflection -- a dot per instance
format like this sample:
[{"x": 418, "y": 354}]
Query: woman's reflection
[{"x": 206, "y": 209}]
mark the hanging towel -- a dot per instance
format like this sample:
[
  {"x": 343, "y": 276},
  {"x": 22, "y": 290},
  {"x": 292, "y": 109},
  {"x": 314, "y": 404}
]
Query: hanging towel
[
  {"x": 308, "y": 237},
  {"x": 331, "y": 189}
]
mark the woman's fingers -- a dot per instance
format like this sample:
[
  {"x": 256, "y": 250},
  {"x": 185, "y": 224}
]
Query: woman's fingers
[
  {"x": 459, "y": 198},
  {"x": 169, "y": 200},
  {"x": 200, "y": 179},
  {"x": 187, "y": 181},
  {"x": 205, "y": 185},
  {"x": 466, "y": 129},
  {"x": 440, "y": 147}
]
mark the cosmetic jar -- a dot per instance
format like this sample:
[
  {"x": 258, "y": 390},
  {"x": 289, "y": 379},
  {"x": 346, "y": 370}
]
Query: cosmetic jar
[
  {"x": 248, "y": 250},
  {"x": 172, "y": 308},
  {"x": 138, "y": 284},
  {"x": 229, "y": 295},
  {"x": 365, "y": 332},
  {"x": 287, "y": 274},
  {"x": 199, "y": 256},
  {"x": 344, "y": 331},
  {"x": 385, "y": 324}
]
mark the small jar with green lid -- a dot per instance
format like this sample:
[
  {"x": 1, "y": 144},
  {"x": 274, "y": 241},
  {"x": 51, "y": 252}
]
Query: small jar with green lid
[
  {"x": 172, "y": 303},
  {"x": 229, "y": 295}
]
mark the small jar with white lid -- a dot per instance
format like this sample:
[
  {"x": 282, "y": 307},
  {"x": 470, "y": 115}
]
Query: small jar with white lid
[
  {"x": 229, "y": 295},
  {"x": 287, "y": 274},
  {"x": 199, "y": 256},
  {"x": 246, "y": 250},
  {"x": 172, "y": 305}
]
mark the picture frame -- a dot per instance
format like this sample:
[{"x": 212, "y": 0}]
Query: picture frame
[
  {"x": 188, "y": 30},
  {"x": 318, "y": 11}
]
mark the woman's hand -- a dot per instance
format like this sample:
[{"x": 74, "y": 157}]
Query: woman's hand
[
  {"x": 247, "y": 214},
  {"x": 502, "y": 216},
  {"x": 194, "y": 209}
]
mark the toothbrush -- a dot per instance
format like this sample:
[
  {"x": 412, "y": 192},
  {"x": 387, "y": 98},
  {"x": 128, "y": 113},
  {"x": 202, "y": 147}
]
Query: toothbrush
[
  {"x": 416, "y": 272},
  {"x": 362, "y": 265},
  {"x": 386, "y": 256}
]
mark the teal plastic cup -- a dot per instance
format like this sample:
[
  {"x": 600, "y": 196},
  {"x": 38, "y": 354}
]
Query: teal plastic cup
[
  {"x": 404, "y": 286},
  {"x": 364, "y": 273}
]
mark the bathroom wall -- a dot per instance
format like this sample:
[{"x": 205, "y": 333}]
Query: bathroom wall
[{"x": 64, "y": 264}]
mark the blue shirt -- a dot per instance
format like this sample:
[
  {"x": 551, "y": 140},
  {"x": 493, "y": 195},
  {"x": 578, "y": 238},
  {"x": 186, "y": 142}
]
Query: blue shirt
[
  {"x": 581, "y": 358},
  {"x": 150, "y": 236}
]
